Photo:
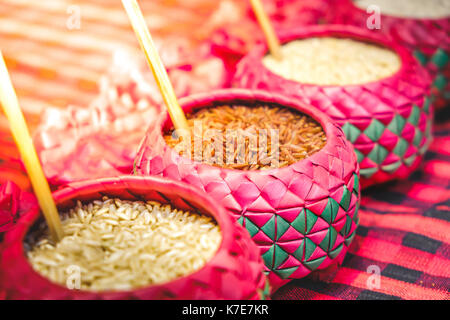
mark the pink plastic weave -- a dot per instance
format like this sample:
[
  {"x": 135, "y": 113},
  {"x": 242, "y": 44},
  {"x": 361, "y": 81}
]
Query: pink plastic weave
[
  {"x": 235, "y": 271},
  {"x": 388, "y": 121},
  {"x": 303, "y": 217}
]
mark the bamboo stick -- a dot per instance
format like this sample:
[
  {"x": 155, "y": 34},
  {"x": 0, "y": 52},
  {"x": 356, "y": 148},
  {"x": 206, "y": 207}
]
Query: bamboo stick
[
  {"x": 21, "y": 135},
  {"x": 159, "y": 72}
]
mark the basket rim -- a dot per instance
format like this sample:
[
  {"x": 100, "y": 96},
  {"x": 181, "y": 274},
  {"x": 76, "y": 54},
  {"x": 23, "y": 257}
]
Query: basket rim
[
  {"x": 204, "y": 100},
  {"x": 14, "y": 239},
  {"x": 333, "y": 30}
]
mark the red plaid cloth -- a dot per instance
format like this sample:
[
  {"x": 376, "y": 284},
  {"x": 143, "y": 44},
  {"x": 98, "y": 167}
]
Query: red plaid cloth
[
  {"x": 405, "y": 226},
  {"x": 404, "y": 234}
]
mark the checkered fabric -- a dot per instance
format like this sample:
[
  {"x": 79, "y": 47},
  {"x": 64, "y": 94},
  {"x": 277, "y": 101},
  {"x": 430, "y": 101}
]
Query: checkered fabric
[{"x": 404, "y": 227}]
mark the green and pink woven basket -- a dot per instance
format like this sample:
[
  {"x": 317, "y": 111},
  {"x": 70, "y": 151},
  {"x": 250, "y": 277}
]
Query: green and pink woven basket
[
  {"x": 234, "y": 272},
  {"x": 303, "y": 217},
  {"x": 388, "y": 121},
  {"x": 428, "y": 39}
]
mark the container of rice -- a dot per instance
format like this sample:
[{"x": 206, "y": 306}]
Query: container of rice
[
  {"x": 132, "y": 238},
  {"x": 372, "y": 87},
  {"x": 421, "y": 26},
  {"x": 302, "y": 209}
]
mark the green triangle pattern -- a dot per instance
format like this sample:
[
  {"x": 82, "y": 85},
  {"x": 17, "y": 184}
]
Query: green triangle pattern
[
  {"x": 440, "y": 59},
  {"x": 401, "y": 147},
  {"x": 251, "y": 227},
  {"x": 311, "y": 219},
  {"x": 268, "y": 257},
  {"x": 417, "y": 137},
  {"x": 397, "y": 124},
  {"x": 374, "y": 130},
  {"x": 269, "y": 228},
  {"x": 378, "y": 154},
  {"x": 298, "y": 254},
  {"x": 414, "y": 116},
  {"x": 347, "y": 227},
  {"x": 368, "y": 172},
  {"x": 280, "y": 256},
  {"x": 421, "y": 57},
  {"x": 276, "y": 256},
  {"x": 314, "y": 264},
  {"x": 325, "y": 242},
  {"x": 330, "y": 239},
  {"x": 426, "y": 105},
  {"x": 330, "y": 211},
  {"x": 285, "y": 273},
  {"x": 299, "y": 223},
  {"x": 346, "y": 197},
  {"x": 355, "y": 184},
  {"x": 359, "y": 155},
  {"x": 282, "y": 226},
  {"x": 349, "y": 239},
  {"x": 390, "y": 168},
  {"x": 333, "y": 254},
  {"x": 309, "y": 248},
  {"x": 440, "y": 82},
  {"x": 410, "y": 160},
  {"x": 351, "y": 132}
]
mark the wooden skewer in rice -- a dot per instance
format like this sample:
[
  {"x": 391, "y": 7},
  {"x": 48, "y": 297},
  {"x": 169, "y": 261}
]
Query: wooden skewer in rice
[
  {"x": 159, "y": 72},
  {"x": 272, "y": 40},
  {"x": 21, "y": 135}
]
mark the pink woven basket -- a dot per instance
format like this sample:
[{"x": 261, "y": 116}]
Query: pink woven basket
[
  {"x": 428, "y": 39},
  {"x": 303, "y": 217},
  {"x": 388, "y": 121},
  {"x": 235, "y": 271}
]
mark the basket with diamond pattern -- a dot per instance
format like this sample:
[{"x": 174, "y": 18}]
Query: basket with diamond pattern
[
  {"x": 303, "y": 217},
  {"x": 234, "y": 272},
  {"x": 428, "y": 39},
  {"x": 388, "y": 121}
]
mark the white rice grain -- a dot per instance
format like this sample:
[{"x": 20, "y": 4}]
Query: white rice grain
[
  {"x": 122, "y": 245},
  {"x": 333, "y": 61},
  {"x": 431, "y": 9}
]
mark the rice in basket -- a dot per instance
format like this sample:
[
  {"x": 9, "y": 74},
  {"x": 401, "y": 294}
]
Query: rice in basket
[
  {"x": 122, "y": 245},
  {"x": 430, "y": 9},
  {"x": 333, "y": 61},
  {"x": 251, "y": 138}
]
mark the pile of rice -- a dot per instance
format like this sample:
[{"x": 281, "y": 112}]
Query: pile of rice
[
  {"x": 333, "y": 61},
  {"x": 122, "y": 245},
  {"x": 299, "y": 136},
  {"x": 432, "y": 9}
]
